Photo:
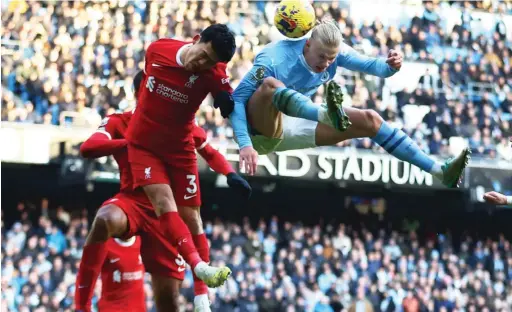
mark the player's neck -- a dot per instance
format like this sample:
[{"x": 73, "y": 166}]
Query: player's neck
[{"x": 183, "y": 54}]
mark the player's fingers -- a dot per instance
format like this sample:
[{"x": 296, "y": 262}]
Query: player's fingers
[
  {"x": 248, "y": 166},
  {"x": 242, "y": 162},
  {"x": 254, "y": 163}
]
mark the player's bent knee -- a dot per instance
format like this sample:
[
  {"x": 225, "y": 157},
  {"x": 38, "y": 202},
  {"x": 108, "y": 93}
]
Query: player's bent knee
[
  {"x": 373, "y": 121},
  {"x": 110, "y": 221},
  {"x": 270, "y": 84}
]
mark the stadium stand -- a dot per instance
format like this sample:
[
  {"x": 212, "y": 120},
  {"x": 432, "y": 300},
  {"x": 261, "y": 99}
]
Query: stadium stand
[
  {"x": 70, "y": 63},
  {"x": 280, "y": 266}
]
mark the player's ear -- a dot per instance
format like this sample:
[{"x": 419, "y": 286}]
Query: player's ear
[{"x": 196, "y": 38}]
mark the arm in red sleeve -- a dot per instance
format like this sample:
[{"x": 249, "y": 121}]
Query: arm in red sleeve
[
  {"x": 99, "y": 145},
  {"x": 215, "y": 160}
]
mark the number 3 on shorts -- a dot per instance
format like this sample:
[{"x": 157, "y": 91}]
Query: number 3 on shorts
[{"x": 192, "y": 182}]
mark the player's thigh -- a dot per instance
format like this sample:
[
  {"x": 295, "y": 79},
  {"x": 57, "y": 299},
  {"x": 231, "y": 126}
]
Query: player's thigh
[
  {"x": 146, "y": 168},
  {"x": 185, "y": 185},
  {"x": 365, "y": 123},
  {"x": 261, "y": 112},
  {"x": 192, "y": 217},
  {"x": 166, "y": 291},
  {"x": 158, "y": 255},
  {"x": 151, "y": 173},
  {"x": 298, "y": 133}
]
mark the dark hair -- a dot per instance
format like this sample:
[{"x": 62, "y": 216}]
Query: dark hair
[
  {"x": 137, "y": 80},
  {"x": 222, "y": 39}
]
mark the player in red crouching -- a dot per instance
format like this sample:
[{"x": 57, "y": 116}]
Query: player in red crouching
[
  {"x": 122, "y": 277},
  {"x": 161, "y": 148},
  {"x": 130, "y": 212}
]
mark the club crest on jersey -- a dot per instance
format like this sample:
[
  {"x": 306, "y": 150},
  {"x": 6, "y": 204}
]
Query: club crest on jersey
[{"x": 191, "y": 80}]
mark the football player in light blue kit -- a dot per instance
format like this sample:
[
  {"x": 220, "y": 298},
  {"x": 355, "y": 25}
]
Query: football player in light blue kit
[{"x": 274, "y": 112}]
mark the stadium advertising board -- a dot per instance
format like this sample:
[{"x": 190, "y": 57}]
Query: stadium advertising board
[{"x": 348, "y": 165}]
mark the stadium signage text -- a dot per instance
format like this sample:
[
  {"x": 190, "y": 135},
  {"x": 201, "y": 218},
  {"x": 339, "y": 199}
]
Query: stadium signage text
[{"x": 337, "y": 166}]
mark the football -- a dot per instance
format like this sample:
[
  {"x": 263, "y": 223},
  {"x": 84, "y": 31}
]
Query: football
[{"x": 294, "y": 18}]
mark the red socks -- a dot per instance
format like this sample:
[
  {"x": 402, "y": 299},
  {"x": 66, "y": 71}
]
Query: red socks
[
  {"x": 175, "y": 229},
  {"x": 203, "y": 249},
  {"x": 93, "y": 257}
]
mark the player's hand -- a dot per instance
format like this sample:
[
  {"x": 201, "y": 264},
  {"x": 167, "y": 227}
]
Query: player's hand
[
  {"x": 239, "y": 184},
  {"x": 495, "y": 198},
  {"x": 395, "y": 59},
  {"x": 248, "y": 160},
  {"x": 224, "y": 101}
]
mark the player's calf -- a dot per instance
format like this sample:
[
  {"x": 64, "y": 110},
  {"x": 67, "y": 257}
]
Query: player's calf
[
  {"x": 166, "y": 293},
  {"x": 192, "y": 218},
  {"x": 161, "y": 197}
]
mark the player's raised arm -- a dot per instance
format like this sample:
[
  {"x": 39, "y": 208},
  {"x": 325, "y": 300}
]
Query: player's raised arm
[
  {"x": 353, "y": 60},
  {"x": 101, "y": 142}
]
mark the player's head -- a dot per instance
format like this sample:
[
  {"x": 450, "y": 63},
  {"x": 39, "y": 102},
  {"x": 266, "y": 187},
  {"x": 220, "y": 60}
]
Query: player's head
[
  {"x": 137, "y": 80},
  {"x": 323, "y": 46},
  {"x": 215, "y": 44}
]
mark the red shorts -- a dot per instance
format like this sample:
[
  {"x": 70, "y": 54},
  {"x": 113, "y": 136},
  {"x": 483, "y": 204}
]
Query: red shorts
[
  {"x": 158, "y": 254},
  {"x": 149, "y": 169}
]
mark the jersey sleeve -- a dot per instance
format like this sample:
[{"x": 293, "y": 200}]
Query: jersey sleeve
[
  {"x": 105, "y": 141},
  {"x": 200, "y": 138},
  {"x": 262, "y": 68},
  {"x": 220, "y": 80},
  {"x": 355, "y": 61}
]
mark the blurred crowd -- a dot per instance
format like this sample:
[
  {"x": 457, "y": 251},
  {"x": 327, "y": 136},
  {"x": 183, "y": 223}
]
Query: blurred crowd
[
  {"x": 277, "y": 266},
  {"x": 70, "y": 63}
]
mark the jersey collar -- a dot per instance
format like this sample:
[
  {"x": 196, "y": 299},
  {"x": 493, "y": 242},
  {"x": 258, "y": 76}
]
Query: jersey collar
[
  {"x": 126, "y": 243},
  {"x": 178, "y": 54}
]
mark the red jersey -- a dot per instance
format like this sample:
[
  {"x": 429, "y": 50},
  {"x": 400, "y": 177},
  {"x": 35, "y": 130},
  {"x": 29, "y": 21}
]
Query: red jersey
[
  {"x": 113, "y": 129},
  {"x": 122, "y": 277},
  {"x": 168, "y": 100}
]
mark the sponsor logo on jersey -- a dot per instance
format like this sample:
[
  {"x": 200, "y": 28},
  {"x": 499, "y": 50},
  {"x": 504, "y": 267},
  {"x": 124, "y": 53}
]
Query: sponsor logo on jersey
[
  {"x": 119, "y": 276},
  {"x": 171, "y": 94}
]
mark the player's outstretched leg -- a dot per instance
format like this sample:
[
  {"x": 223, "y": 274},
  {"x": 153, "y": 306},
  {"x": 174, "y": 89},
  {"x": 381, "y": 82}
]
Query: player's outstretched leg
[
  {"x": 110, "y": 221},
  {"x": 162, "y": 199},
  {"x": 368, "y": 123},
  {"x": 192, "y": 217},
  {"x": 398, "y": 144}
]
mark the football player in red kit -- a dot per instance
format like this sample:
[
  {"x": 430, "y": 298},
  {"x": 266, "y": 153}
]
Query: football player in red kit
[
  {"x": 122, "y": 277},
  {"x": 161, "y": 151},
  {"x": 130, "y": 212}
]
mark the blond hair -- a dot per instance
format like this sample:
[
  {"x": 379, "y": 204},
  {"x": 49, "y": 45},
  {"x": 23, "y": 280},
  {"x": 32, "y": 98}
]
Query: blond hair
[{"x": 327, "y": 33}]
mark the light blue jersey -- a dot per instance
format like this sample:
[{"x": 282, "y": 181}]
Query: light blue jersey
[{"x": 284, "y": 60}]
